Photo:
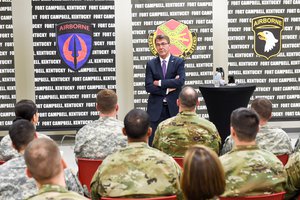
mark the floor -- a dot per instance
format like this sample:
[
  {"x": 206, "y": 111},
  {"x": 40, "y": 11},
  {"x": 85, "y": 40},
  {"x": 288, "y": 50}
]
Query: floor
[{"x": 67, "y": 149}]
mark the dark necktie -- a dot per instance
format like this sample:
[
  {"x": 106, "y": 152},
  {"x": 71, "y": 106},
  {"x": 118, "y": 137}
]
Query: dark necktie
[{"x": 164, "y": 68}]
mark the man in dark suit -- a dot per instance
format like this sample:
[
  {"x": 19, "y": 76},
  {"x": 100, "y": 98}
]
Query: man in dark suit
[{"x": 165, "y": 75}]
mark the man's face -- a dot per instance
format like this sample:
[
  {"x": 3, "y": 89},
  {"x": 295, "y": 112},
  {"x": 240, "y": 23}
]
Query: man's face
[{"x": 162, "y": 47}]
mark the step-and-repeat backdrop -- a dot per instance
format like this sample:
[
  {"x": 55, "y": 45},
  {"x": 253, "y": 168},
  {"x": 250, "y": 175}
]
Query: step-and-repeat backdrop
[
  {"x": 264, "y": 49},
  {"x": 189, "y": 26},
  {"x": 7, "y": 70},
  {"x": 74, "y": 57}
]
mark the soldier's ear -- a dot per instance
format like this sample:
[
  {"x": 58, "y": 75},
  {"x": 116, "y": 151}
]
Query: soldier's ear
[
  {"x": 149, "y": 132},
  {"x": 28, "y": 173},
  {"x": 198, "y": 102},
  {"x": 232, "y": 132},
  {"x": 178, "y": 102},
  {"x": 117, "y": 107},
  {"x": 64, "y": 164},
  {"x": 97, "y": 107},
  {"x": 124, "y": 131}
]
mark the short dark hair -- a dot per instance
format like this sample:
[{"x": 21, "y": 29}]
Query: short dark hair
[
  {"x": 21, "y": 132},
  {"x": 25, "y": 109},
  {"x": 106, "y": 100},
  {"x": 161, "y": 37},
  {"x": 188, "y": 97},
  {"x": 43, "y": 159},
  {"x": 245, "y": 122},
  {"x": 203, "y": 175},
  {"x": 136, "y": 123},
  {"x": 263, "y": 107}
]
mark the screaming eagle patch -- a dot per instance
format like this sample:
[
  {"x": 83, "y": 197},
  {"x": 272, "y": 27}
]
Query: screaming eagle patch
[
  {"x": 74, "y": 43},
  {"x": 267, "y": 35}
]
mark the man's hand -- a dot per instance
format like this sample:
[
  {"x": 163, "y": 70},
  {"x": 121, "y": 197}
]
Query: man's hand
[{"x": 156, "y": 83}]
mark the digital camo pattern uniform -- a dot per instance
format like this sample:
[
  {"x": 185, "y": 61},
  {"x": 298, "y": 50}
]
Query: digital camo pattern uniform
[
  {"x": 174, "y": 135},
  {"x": 100, "y": 138},
  {"x": 15, "y": 185},
  {"x": 55, "y": 192},
  {"x": 6, "y": 149},
  {"x": 252, "y": 171},
  {"x": 268, "y": 138},
  {"x": 297, "y": 144},
  {"x": 292, "y": 169},
  {"x": 136, "y": 171}
]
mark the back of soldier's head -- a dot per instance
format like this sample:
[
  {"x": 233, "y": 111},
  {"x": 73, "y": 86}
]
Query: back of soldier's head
[
  {"x": 263, "y": 107},
  {"x": 188, "y": 97},
  {"x": 136, "y": 124},
  {"x": 106, "y": 101},
  {"x": 245, "y": 122},
  {"x": 21, "y": 133},
  {"x": 203, "y": 175},
  {"x": 43, "y": 159},
  {"x": 25, "y": 109}
]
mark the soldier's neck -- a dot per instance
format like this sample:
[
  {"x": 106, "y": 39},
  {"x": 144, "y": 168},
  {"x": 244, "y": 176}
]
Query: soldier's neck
[{"x": 112, "y": 114}]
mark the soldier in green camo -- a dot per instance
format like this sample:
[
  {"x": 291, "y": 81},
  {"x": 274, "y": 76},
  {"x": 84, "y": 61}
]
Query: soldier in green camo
[
  {"x": 50, "y": 178},
  {"x": 175, "y": 135},
  {"x": 249, "y": 170},
  {"x": 292, "y": 169},
  {"x": 138, "y": 170},
  {"x": 268, "y": 138}
]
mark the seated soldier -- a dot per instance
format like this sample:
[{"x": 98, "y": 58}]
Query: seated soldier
[
  {"x": 292, "y": 169},
  {"x": 175, "y": 135},
  {"x": 137, "y": 170},
  {"x": 24, "y": 109},
  {"x": 249, "y": 170},
  {"x": 269, "y": 138},
  {"x": 45, "y": 165},
  {"x": 103, "y": 136},
  {"x": 14, "y": 184}
]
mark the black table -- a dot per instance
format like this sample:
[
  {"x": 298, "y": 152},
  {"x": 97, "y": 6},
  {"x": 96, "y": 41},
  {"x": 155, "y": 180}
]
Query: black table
[{"x": 221, "y": 101}]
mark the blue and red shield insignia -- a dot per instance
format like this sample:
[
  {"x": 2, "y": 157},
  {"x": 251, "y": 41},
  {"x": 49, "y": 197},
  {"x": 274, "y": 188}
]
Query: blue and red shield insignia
[{"x": 74, "y": 43}]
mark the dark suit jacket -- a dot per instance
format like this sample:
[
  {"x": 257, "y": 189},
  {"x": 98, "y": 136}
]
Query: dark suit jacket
[{"x": 157, "y": 94}]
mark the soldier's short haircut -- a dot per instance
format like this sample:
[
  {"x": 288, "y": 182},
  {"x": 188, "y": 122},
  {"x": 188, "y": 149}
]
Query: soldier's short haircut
[
  {"x": 203, "y": 174},
  {"x": 136, "y": 123},
  {"x": 263, "y": 107},
  {"x": 21, "y": 132},
  {"x": 245, "y": 122},
  {"x": 106, "y": 100},
  {"x": 188, "y": 97},
  {"x": 43, "y": 159},
  {"x": 161, "y": 37},
  {"x": 25, "y": 109}
]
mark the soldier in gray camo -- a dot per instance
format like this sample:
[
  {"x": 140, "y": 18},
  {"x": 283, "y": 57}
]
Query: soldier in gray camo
[
  {"x": 103, "y": 136},
  {"x": 175, "y": 135},
  {"x": 24, "y": 109},
  {"x": 14, "y": 184},
  {"x": 297, "y": 144},
  {"x": 269, "y": 138},
  {"x": 49, "y": 178},
  {"x": 249, "y": 170},
  {"x": 138, "y": 170}
]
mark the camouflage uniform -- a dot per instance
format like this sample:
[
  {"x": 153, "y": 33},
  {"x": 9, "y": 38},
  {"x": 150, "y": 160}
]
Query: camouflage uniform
[
  {"x": 268, "y": 138},
  {"x": 297, "y": 144},
  {"x": 252, "y": 171},
  {"x": 174, "y": 135},
  {"x": 55, "y": 192},
  {"x": 15, "y": 185},
  {"x": 100, "y": 138},
  {"x": 136, "y": 171},
  {"x": 292, "y": 169},
  {"x": 7, "y": 151}
]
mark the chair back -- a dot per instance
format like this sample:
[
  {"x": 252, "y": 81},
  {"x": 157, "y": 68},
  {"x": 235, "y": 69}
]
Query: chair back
[
  {"x": 151, "y": 198},
  {"x": 283, "y": 158},
  {"x": 275, "y": 196},
  {"x": 179, "y": 161},
  {"x": 1, "y": 162},
  {"x": 86, "y": 170}
]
